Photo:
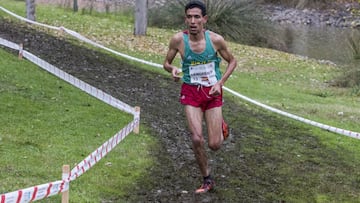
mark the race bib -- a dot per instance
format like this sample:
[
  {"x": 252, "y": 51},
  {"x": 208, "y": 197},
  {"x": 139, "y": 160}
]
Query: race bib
[{"x": 203, "y": 74}]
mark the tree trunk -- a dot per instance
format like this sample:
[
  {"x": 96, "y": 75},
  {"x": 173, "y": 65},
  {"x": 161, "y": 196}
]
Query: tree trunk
[
  {"x": 30, "y": 10},
  {"x": 76, "y": 6},
  {"x": 140, "y": 17}
]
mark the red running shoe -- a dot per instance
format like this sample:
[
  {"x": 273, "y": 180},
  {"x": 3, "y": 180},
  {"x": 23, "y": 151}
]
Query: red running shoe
[
  {"x": 225, "y": 130},
  {"x": 207, "y": 185}
]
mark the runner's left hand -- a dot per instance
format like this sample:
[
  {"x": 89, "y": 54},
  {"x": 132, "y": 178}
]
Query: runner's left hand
[{"x": 215, "y": 90}]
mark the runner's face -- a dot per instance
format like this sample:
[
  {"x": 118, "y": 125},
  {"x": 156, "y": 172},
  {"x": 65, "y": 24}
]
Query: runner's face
[{"x": 194, "y": 20}]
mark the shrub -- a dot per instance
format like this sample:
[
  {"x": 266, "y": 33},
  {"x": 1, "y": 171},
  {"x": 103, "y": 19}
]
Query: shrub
[
  {"x": 351, "y": 76},
  {"x": 236, "y": 20},
  {"x": 354, "y": 44}
]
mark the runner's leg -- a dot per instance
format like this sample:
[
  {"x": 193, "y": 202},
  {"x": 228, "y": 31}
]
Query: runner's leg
[
  {"x": 213, "y": 119},
  {"x": 194, "y": 117}
]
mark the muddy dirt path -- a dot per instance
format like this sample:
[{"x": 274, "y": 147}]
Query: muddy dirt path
[{"x": 175, "y": 176}]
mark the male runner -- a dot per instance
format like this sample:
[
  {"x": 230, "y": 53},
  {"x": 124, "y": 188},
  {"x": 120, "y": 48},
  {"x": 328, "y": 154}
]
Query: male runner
[{"x": 201, "y": 90}]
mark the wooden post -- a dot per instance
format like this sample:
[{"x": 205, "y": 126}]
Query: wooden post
[
  {"x": 137, "y": 127},
  {"x": 65, "y": 175},
  {"x": 21, "y": 47},
  {"x": 61, "y": 30}
]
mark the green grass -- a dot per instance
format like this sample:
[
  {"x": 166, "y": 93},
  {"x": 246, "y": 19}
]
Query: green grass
[
  {"x": 46, "y": 123},
  {"x": 299, "y": 164},
  {"x": 297, "y": 86},
  {"x": 284, "y": 81},
  {"x": 280, "y": 80}
]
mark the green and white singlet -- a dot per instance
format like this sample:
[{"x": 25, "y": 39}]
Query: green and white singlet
[{"x": 200, "y": 68}]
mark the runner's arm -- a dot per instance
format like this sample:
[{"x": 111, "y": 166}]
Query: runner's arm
[
  {"x": 173, "y": 50},
  {"x": 228, "y": 57},
  {"x": 222, "y": 49}
]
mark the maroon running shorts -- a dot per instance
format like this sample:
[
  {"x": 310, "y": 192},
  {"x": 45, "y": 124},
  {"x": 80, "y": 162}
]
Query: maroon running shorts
[{"x": 198, "y": 96}]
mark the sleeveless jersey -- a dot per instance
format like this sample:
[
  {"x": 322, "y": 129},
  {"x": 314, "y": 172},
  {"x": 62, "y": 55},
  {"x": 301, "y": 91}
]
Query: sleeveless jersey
[{"x": 200, "y": 68}]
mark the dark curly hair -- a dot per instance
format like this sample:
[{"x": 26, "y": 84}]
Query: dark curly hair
[{"x": 196, "y": 4}]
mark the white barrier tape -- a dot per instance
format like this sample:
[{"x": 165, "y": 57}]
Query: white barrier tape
[
  {"x": 323, "y": 126},
  {"x": 50, "y": 189},
  {"x": 101, "y": 151},
  {"x": 307, "y": 121},
  {"x": 99, "y": 94},
  {"x": 35, "y": 193},
  {"x": 82, "y": 38},
  {"x": 27, "y": 20},
  {"x": 38, "y": 192},
  {"x": 80, "y": 84},
  {"x": 9, "y": 44}
]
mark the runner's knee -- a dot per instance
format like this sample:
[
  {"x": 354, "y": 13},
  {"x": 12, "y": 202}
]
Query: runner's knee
[
  {"x": 198, "y": 140},
  {"x": 214, "y": 145}
]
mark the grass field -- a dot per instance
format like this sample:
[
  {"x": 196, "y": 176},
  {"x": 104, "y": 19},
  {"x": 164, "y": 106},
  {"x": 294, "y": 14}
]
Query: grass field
[
  {"x": 278, "y": 79},
  {"x": 46, "y": 123},
  {"x": 284, "y": 81}
]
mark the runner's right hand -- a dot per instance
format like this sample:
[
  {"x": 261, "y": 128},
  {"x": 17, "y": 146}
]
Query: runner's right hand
[{"x": 177, "y": 74}]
